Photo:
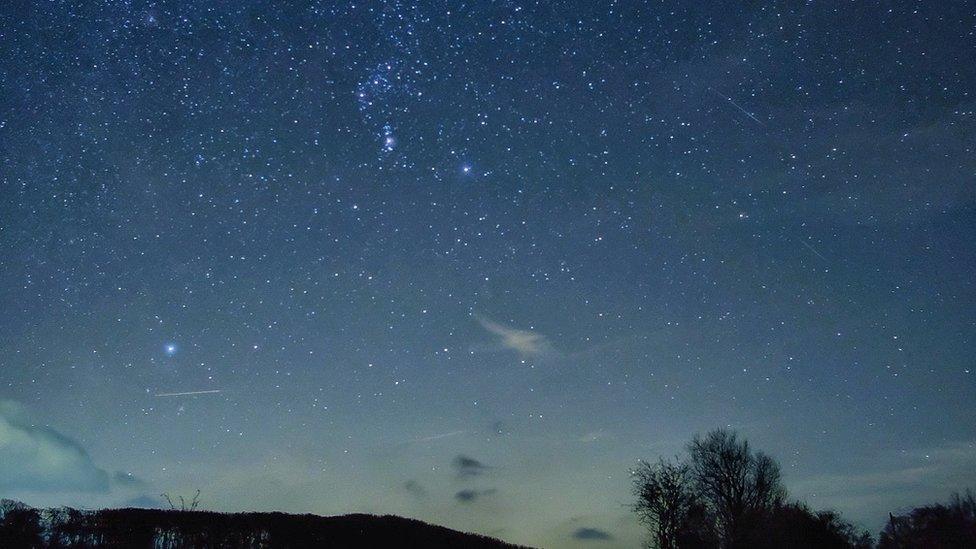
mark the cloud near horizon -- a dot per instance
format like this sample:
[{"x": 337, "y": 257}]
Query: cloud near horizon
[
  {"x": 592, "y": 534},
  {"x": 525, "y": 342},
  {"x": 124, "y": 479},
  {"x": 35, "y": 458},
  {"x": 415, "y": 489},
  {"x": 144, "y": 502},
  {"x": 470, "y": 496},
  {"x": 467, "y": 467}
]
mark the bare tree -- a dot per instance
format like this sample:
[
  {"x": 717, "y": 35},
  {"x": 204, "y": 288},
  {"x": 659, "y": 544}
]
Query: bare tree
[
  {"x": 734, "y": 482},
  {"x": 192, "y": 506},
  {"x": 664, "y": 499}
]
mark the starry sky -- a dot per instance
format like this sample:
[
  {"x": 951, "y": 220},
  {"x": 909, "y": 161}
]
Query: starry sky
[{"x": 468, "y": 261}]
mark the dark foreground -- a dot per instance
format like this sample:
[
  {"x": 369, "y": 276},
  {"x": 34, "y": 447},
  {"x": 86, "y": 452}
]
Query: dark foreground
[{"x": 23, "y": 526}]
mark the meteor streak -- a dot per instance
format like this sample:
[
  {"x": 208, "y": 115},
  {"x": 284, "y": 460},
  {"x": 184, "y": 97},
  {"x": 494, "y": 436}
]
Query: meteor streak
[
  {"x": 189, "y": 393},
  {"x": 736, "y": 105},
  {"x": 439, "y": 436},
  {"x": 814, "y": 250}
]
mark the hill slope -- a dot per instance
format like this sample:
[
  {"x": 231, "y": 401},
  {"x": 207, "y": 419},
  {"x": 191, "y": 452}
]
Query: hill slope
[{"x": 22, "y": 526}]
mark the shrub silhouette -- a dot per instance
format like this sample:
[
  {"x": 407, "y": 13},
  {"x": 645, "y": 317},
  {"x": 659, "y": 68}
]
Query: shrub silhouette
[
  {"x": 937, "y": 526},
  {"x": 796, "y": 526}
]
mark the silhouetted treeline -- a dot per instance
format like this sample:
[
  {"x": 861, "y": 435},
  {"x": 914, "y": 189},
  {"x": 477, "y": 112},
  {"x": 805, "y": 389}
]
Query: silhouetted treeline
[
  {"x": 938, "y": 526},
  {"x": 724, "y": 495},
  {"x": 23, "y": 526}
]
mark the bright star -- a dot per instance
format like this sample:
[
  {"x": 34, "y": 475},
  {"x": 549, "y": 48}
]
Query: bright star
[
  {"x": 170, "y": 349},
  {"x": 389, "y": 140}
]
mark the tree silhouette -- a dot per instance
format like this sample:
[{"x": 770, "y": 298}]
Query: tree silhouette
[
  {"x": 733, "y": 481},
  {"x": 665, "y": 500},
  {"x": 725, "y": 495},
  {"x": 20, "y": 525},
  {"x": 937, "y": 526},
  {"x": 796, "y": 526},
  {"x": 192, "y": 506}
]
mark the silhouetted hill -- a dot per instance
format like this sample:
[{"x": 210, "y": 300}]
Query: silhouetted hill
[{"x": 22, "y": 526}]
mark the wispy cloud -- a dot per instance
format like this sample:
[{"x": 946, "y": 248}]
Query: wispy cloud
[
  {"x": 36, "y": 458},
  {"x": 897, "y": 482},
  {"x": 469, "y": 496},
  {"x": 592, "y": 534},
  {"x": 144, "y": 502},
  {"x": 128, "y": 480},
  {"x": 415, "y": 489},
  {"x": 594, "y": 436},
  {"x": 525, "y": 342},
  {"x": 469, "y": 467},
  {"x": 935, "y": 466}
]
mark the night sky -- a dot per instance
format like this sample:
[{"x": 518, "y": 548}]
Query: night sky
[{"x": 468, "y": 261}]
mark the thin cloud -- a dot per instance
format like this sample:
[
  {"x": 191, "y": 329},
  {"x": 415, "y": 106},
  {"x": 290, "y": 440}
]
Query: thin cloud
[
  {"x": 937, "y": 466},
  {"x": 415, "y": 489},
  {"x": 525, "y": 342},
  {"x": 144, "y": 502},
  {"x": 592, "y": 534},
  {"x": 467, "y": 467},
  {"x": 893, "y": 482},
  {"x": 470, "y": 496},
  {"x": 36, "y": 458},
  {"x": 128, "y": 480},
  {"x": 595, "y": 436}
]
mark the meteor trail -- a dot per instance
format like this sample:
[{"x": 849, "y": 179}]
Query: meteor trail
[
  {"x": 736, "y": 105},
  {"x": 812, "y": 249},
  {"x": 439, "y": 436},
  {"x": 188, "y": 393}
]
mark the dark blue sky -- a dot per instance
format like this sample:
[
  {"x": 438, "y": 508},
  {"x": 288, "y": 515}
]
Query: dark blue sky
[{"x": 469, "y": 261}]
